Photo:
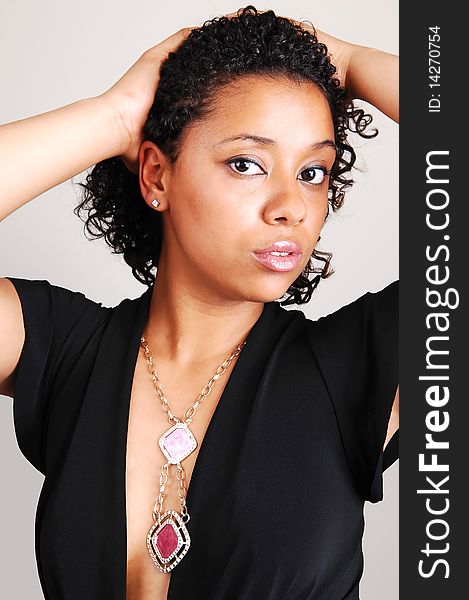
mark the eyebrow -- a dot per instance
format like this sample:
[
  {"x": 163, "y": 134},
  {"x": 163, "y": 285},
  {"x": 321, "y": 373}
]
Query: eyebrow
[{"x": 269, "y": 142}]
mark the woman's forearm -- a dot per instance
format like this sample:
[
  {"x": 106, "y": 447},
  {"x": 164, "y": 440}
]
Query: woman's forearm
[
  {"x": 373, "y": 76},
  {"x": 39, "y": 152},
  {"x": 368, "y": 74}
]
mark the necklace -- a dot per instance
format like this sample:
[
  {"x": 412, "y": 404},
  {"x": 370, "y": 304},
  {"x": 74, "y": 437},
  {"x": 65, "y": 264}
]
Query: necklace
[{"x": 168, "y": 539}]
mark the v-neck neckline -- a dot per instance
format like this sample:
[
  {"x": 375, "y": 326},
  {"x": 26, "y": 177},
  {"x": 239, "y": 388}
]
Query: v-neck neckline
[{"x": 142, "y": 306}]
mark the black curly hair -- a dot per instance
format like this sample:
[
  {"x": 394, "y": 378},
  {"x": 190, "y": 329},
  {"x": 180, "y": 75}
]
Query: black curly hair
[{"x": 212, "y": 56}]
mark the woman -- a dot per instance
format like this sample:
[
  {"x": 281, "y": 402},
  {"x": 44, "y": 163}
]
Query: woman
[{"x": 273, "y": 426}]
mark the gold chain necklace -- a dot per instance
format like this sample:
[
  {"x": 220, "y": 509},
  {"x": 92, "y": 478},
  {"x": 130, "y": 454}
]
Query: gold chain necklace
[{"x": 168, "y": 539}]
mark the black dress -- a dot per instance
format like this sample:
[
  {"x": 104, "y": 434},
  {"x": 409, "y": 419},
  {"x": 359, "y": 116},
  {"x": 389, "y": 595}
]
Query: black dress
[{"x": 292, "y": 452}]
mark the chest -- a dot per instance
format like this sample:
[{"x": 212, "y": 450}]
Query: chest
[
  {"x": 271, "y": 485},
  {"x": 144, "y": 459}
]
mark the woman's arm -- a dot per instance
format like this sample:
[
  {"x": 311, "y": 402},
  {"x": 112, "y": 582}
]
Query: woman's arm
[
  {"x": 373, "y": 75},
  {"x": 39, "y": 152},
  {"x": 42, "y": 151},
  {"x": 369, "y": 74}
]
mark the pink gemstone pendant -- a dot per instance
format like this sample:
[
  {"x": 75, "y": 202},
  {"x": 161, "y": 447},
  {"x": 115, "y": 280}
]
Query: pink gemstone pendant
[
  {"x": 177, "y": 443},
  {"x": 168, "y": 541}
]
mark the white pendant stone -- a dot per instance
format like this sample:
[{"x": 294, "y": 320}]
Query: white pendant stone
[{"x": 177, "y": 443}]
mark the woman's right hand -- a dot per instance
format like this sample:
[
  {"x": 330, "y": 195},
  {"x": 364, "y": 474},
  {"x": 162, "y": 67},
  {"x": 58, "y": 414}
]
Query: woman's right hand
[{"x": 132, "y": 96}]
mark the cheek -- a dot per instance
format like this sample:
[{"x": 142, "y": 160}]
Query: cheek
[
  {"x": 207, "y": 214},
  {"x": 317, "y": 210},
  {"x": 315, "y": 221}
]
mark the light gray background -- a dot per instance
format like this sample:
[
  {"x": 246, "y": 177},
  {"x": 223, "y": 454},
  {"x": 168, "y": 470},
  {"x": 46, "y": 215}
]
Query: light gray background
[{"x": 57, "y": 51}]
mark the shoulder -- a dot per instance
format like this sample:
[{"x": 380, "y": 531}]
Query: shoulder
[
  {"x": 370, "y": 306},
  {"x": 358, "y": 334},
  {"x": 53, "y": 313},
  {"x": 356, "y": 351},
  {"x": 42, "y": 291}
]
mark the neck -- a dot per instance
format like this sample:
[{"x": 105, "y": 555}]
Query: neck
[{"x": 190, "y": 328}]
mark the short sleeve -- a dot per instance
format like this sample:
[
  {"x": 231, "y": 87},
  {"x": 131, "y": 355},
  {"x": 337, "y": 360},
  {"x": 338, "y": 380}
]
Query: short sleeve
[
  {"x": 356, "y": 348},
  {"x": 57, "y": 323}
]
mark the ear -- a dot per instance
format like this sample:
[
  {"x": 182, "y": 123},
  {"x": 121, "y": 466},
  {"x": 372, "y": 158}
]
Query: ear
[{"x": 154, "y": 174}]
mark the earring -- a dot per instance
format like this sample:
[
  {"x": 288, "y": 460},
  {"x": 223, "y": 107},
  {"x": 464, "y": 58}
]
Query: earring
[{"x": 155, "y": 202}]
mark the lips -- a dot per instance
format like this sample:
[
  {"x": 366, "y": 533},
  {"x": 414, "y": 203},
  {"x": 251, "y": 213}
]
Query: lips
[
  {"x": 291, "y": 247},
  {"x": 281, "y": 256}
]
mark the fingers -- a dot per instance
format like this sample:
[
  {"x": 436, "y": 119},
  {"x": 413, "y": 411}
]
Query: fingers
[{"x": 170, "y": 44}]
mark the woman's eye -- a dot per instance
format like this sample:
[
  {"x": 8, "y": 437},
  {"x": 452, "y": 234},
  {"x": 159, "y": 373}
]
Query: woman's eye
[
  {"x": 245, "y": 166},
  {"x": 314, "y": 175}
]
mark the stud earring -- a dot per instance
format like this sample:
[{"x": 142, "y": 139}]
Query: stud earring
[{"x": 155, "y": 202}]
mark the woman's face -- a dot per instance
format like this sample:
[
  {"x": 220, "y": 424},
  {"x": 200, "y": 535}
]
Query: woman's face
[{"x": 251, "y": 173}]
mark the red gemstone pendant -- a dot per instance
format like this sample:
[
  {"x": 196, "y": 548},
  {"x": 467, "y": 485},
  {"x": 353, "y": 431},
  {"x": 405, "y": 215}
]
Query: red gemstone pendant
[{"x": 168, "y": 541}]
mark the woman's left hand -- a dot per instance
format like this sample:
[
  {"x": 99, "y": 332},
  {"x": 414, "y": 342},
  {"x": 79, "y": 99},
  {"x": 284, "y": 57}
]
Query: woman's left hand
[
  {"x": 366, "y": 73},
  {"x": 340, "y": 51}
]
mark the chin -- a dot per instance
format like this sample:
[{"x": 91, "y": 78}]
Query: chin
[{"x": 267, "y": 292}]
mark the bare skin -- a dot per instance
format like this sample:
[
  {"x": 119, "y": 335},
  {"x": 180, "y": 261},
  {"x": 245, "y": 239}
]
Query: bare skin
[
  {"x": 200, "y": 315},
  {"x": 147, "y": 422}
]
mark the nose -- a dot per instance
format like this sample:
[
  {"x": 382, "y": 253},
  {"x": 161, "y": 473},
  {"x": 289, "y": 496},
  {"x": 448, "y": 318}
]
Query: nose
[{"x": 286, "y": 204}]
